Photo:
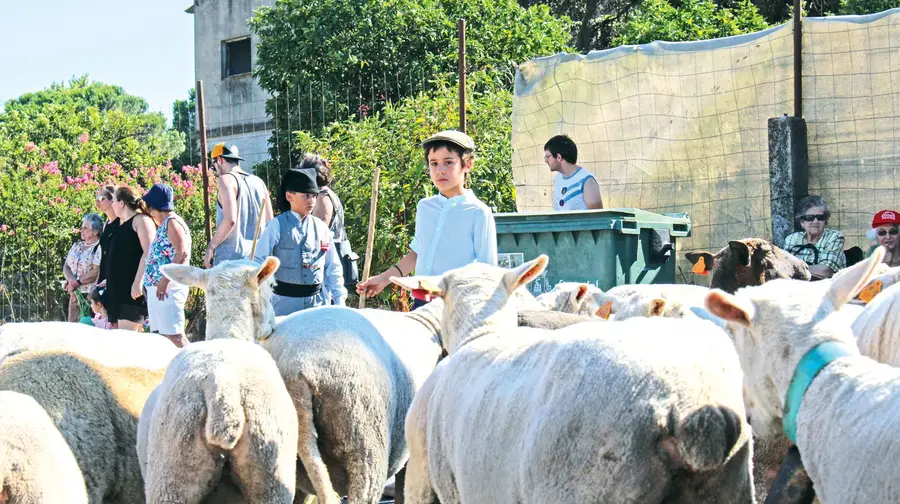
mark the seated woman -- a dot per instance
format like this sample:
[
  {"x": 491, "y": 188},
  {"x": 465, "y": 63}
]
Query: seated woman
[
  {"x": 819, "y": 247},
  {"x": 886, "y": 226}
]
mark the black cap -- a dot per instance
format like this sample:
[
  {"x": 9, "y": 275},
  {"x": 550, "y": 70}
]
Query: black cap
[{"x": 300, "y": 181}]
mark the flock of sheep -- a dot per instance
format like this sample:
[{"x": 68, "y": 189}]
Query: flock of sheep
[{"x": 640, "y": 394}]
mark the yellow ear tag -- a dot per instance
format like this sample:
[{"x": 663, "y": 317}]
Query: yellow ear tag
[
  {"x": 700, "y": 267},
  {"x": 604, "y": 310},
  {"x": 870, "y": 291}
]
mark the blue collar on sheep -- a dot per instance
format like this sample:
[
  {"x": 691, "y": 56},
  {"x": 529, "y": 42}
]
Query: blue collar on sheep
[{"x": 808, "y": 368}]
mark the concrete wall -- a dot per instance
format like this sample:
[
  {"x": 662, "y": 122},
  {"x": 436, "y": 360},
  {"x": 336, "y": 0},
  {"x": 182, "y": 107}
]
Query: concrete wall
[{"x": 235, "y": 106}]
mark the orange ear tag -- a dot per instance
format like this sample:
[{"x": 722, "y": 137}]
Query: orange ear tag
[
  {"x": 604, "y": 310},
  {"x": 870, "y": 291},
  {"x": 700, "y": 267}
]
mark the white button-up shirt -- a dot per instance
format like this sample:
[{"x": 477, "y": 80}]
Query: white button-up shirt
[{"x": 453, "y": 232}]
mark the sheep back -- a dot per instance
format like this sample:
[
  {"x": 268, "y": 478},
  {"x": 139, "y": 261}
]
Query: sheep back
[
  {"x": 96, "y": 410},
  {"x": 569, "y": 413},
  {"x": 36, "y": 464},
  {"x": 363, "y": 367}
]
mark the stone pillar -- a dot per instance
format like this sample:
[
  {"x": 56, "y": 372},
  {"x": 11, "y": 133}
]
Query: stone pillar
[{"x": 788, "y": 172}]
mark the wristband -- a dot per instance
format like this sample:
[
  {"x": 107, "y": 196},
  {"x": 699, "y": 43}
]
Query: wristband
[{"x": 398, "y": 269}]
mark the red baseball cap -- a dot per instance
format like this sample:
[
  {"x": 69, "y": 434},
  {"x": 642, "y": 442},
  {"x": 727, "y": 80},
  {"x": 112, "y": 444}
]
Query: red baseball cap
[{"x": 885, "y": 217}]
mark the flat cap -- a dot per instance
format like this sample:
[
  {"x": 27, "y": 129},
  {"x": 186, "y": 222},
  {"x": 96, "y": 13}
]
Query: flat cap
[{"x": 452, "y": 136}]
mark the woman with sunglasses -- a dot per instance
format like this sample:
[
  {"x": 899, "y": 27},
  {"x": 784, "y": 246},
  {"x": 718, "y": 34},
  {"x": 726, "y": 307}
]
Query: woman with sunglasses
[
  {"x": 885, "y": 227},
  {"x": 819, "y": 247},
  {"x": 103, "y": 198}
]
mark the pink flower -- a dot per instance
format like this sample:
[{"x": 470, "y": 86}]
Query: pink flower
[
  {"x": 30, "y": 147},
  {"x": 52, "y": 168},
  {"x": 11, "y": 232},
  {"x": 69, "y": 180},
  {"x": 62, "y": 186},
  {"x": 3, "y": 228},
  {"x": 84, "y": 137}
]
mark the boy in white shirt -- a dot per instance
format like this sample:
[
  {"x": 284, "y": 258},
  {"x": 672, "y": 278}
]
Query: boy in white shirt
[
  {"x": 453, "y": 228},
  {"x": 574, "y": 188}
]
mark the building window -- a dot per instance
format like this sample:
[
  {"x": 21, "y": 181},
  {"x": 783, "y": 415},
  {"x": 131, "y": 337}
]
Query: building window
[{"x": 235, "y": 57}]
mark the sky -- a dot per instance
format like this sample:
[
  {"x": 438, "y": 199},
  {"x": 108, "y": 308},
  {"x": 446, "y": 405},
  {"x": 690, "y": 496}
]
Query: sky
[{"x": 144, "y": 46}]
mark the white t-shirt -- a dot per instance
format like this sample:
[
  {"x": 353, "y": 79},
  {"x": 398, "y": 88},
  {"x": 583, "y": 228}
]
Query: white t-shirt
[
  {"x": 568, "y": 192},
  {"x": 453, "y": 232}
]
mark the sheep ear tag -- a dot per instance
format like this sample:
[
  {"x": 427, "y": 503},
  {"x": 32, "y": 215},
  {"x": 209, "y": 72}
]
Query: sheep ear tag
[
  {"x": 426, "y": 290},
  {"x": 700, "y": 267},
  {"x": 604, "y": 310},
  {"x": 871, "y": 291}
]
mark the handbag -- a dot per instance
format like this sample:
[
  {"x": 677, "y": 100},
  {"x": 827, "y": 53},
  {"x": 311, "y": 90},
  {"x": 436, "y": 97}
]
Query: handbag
[{"x": 349, "y": 263}]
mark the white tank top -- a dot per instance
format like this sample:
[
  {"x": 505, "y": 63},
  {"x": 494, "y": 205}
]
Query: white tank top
[{"x": 568, "y": 192}]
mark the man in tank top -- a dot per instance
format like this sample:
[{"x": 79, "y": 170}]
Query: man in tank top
[
  {"x": 242, "y": 199},
  {"x": 574, "y": 188}
]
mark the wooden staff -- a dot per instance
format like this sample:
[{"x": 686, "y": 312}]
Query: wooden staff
[{"x": 373, "y": 206}]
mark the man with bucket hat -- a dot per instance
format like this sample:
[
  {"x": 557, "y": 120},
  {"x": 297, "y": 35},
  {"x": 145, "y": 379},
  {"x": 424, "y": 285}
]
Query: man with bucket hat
[{"x": 243, "y": 199}]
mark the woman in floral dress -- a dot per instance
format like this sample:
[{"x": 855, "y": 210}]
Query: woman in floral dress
[
  {"x": 83, "y": 263},
  {"x": 172, "y": 244}
]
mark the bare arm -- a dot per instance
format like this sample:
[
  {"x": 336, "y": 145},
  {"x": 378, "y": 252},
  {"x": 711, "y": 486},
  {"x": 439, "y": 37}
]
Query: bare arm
[
  {"x": 91, "y": 276},
  {"x": 144, "y": 227},
  {"x": 376, "y": 284},
  {"x": 179, "y": 242},
  {"x": 324, "y": 209},
  {"x": 67, "y": 272},
  {"x": 592, "y": 194},
  {"x": 269, "y": 212},
  {"x": 226, "y": 188}
]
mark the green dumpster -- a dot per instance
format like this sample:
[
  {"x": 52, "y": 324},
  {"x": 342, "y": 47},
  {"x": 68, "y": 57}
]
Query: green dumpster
[{"x": 605, "y": 248}]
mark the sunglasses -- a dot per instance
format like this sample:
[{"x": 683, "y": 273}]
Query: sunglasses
[
  {"x": 884, "y": 232},
  {"x": 818, "y": 217}
]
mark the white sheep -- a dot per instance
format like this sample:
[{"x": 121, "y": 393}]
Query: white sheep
[
  {"x": 95, "y": 408},
  {"x": 646, "y": 410},
  {"x": 36, "y": 464},
  {"x": 573, "y": 297},
  {"x": 351, "y": 374},
  {"x": 804, "y": 375},
  {"x": 877, "y": 327},
  {"x": 221, "y": 412},
  {"x": 117, "y": 348}
]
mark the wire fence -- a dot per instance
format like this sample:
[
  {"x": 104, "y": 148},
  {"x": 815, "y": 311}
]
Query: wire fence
[{"x": 682, "y": 127}]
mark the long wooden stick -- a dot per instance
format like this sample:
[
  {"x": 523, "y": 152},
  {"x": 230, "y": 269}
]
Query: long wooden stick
[
  {"x": 204, "y": 162},
  {"x": 373, "y": 207}
]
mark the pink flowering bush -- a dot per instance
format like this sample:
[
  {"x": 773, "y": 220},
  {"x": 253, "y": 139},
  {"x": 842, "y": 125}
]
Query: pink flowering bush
[{"x": 41, "y": 209}]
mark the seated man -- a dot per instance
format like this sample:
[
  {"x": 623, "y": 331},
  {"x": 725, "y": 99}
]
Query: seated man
[{"x": 819, "y": 247}]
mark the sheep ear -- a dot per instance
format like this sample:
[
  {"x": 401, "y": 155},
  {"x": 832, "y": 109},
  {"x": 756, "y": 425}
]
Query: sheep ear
[
  {"x": 268, "y": 268},
  {"x": 185, "y": 274},
  {"x": 696, "y": 257},
  {"x": 582, "y": 292},
  {"x": 741, "y": 252},
  {"x": 847, "y": 285},
  {"x": 424, "y": 284},
  {"x": 525, "y": 273},
  {"x": 730, "y": 308},
  {"x": 656, "y": 307},
  {"x": 604, "y": 310}
]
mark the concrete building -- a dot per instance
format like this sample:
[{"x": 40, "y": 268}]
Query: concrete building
[{"x": 224, "y": 58}]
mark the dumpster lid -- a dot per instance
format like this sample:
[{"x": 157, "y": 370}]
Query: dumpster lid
[{"x": 618, "y": 219}]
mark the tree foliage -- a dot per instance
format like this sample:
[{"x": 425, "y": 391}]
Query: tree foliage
[
  {"x": 391, "y": 140},
  {"x": 85, "y": 122},
  {"x": 692, "y": 20}
]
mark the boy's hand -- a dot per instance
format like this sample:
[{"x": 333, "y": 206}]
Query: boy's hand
[{"x": 374, "y": 285}]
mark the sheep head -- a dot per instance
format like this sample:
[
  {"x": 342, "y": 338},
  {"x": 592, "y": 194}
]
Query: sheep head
[
  {"x": 475, "y": 298},
  {"x": 237, "y": 296},
  {"x": 567, "y": 297},
  {"x": 775, "y": 324},
  {"x": 748, "y": 262}
]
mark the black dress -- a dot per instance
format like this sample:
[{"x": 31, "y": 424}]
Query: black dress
[
  {"x": 105, "y": 241},
  {"x": 124, "y": 259}
]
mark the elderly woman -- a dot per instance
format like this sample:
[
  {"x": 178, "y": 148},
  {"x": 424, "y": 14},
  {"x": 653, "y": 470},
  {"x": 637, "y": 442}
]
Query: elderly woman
[
  {"x": 885, "y": 226},
  {"x": 821, "y": 248},
  {"x": 82, "y": 264}
]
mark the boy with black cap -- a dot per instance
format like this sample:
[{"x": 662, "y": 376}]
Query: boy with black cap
[
  {"x": 310, "y": 273},
  {"x": 453, "y": 228},
  {"x": 242, "y": 200}
]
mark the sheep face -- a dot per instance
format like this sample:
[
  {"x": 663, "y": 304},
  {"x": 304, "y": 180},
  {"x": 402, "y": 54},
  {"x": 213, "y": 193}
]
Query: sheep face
[
  {"x": 237, "y": 296},
  {"x": 567, "y": 297},
  {"x": 774, "y": 325},
  {"x": 475, "y": 298},
  {"x": 749, "y": 262}
]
